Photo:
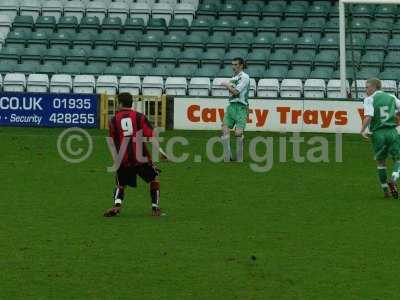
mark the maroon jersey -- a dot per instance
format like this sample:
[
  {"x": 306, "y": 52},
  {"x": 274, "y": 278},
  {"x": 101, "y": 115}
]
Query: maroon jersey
[{"x": 124, "y": 127}]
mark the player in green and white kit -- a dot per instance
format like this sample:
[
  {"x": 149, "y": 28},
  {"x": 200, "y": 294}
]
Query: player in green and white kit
[
  {"x": 238, "y": 108},
  {"x": 380, "y": 111}
]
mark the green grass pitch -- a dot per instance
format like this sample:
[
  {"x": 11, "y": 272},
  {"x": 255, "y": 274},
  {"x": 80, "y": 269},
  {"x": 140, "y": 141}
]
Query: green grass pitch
[{"x": 300, "y": 231}]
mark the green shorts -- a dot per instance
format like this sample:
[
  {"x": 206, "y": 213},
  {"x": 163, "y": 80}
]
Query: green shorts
[
  {"x": 386, "y": 142},
  {"x": 236, "y": 115}
]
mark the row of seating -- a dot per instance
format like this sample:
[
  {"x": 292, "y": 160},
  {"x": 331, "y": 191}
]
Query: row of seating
[
  {"x": 197, "y": 86},
  {"x": 99, "y": 9}
]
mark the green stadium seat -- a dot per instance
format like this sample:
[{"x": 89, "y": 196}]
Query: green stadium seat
[
  {"x": 74, "y": 68},
  {"x": 299, "y": 72},
  {"x": 67, "y": 25},
  {"x": 357, "y": 42},
  {"x": 332, "y": 26},
  {"x": 264, "y": 40},
  {"x": 258, "y": 57},
  {"x": 363, "y": 10},
  {"x": 307, "y": 42},
  {"x": 49, "y": 68},
  {"x": 381, "y": 26},
  {"x": 134, "y": 25},
  {"x": 314, "y": 25},
  {"x": 372, "y": 59},
  {"x": 291, "y": 25},
  {"x": 174, "y": 40},
  {"x": 278, "y": 72},
  {"x": 99, "y": 56},
  {"x": 128, "y": 40},
  {"x": 90, "y": 24},
  {"x": 183, "y": 71},
  {"x": 394, "y": 43},
  {"x": 26, "y": 68},
  {"x": 83, "y": 40},
  {"x": 225, "y": 26},
  {"x": 273, "y": 9},
  {"x": 23, "y": 23},
  {"x": 212, "y": 57},
  {"x": 229, "y": 9},
  {"x": 94, "y": 69},
  {"x": 163, "y": 70},
  {"x": 16, "y": 39},
  {"x": 7, "y": 67},
  {"x": 269, "y": 25},
  {"x": 207, "y": 9},
  {"x": 377, "y": 42},
  {"x": 10, "y": 55},
  {"x": 350, "y": 71},
  {"x": 360, "y": 25},
  {"x": 218, "y": 40},
  {"x": 140, "y": 69},
  {"x": 231, "y": 54},
  {"x": 246, "y": 25},
  {"x": 388, "y": 74},
  {"x": 122, "y": 57},
  {"x": 207, "y": 71},
  {"x": 76, "y": 54},
  {"x": 367, "y": 72},
  {"x": 386, "y": 11},
  {"x": 327, "y": 58},
  {"x": 197, "y": 40},
  {"x": 54, "y": 55},
  {"x": 190, "y": 56},
  {"x": 396, "y": 28},
  {"x": 296, "y": 9},
  {"x": 112, "y": 24},
  {"x": 106, "y": 39},
  {"x": 202, "y": 25},
  {"x": 156, "y": 26},
  {"x": 322, "y": 73},
  {"x": 180, "y": 26},
  {"x": 392, "y": 59},
  {"x": 168, "y": 55},
  {"x": 226, "y": 72},
  {"x": 281, "y": 57},
  {"x": 304, "y": 57},
  {"x": 117, "y": 70},
  {"x": 242, "y": 40},
  {"x": 334, "y": 11},
  {"x": 353, "y": 57},
  {"x": 250, "y": 9},
  {"x": 46, "y": 24},
  {"x": 319, "y": 9},
  {"x": 32, "y": 55},
  {"x": 285, "y": 41},
  {"x": 330, "y": 41},
  {"x": 151, "y": 40},
  {"x": 38, "y": 40},
  {"x": 145, "y": 55}
]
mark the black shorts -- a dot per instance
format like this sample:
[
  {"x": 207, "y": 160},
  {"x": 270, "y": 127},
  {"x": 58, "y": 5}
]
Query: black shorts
[{"x": 128, "y": 175}]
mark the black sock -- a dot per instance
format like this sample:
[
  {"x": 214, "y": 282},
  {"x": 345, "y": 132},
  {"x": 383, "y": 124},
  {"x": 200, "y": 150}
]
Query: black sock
[{"x": 155, "y": 193}]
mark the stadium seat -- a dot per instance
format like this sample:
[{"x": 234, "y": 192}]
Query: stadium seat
[
  {"x": 225, "y": 26},
  {"x": 394, "y": 43},
  {"x": 45, "y": 24},
  {"x": 258, "y": 57},
  {"x": 74, "y": 8},
  {"x": 264, "y": 40},
  {"x": 330, "y": 41},
  {"x": 27, "y": 67},
  {"x": 386, "y": 11},
  {"x": 107, "y": 84},
  {"x": 117, "y": 69},
  {"x": 252, "y": 9},
  {"x": 207, "y": 9},
  {"x": 307, "y": 42},
  {"x": 141, "y": 69},
  {"x": 174, "y": 41},
  {"x": 30, "y": 8},
  {"x": 327, "y": 58},
  {"x": 74, "y": 68},
  {"x": 122, "y": 57},
  {"x": 233, "y": 53},
  {"x": 25, "y": 23},
  {"x": 106, "y": 40},
  {"x": 10, "y": 55},
  {"x": 7, "y": 67},
  {"x": 61, "y": 83},
  {"x": 268, "y": 88},
  {"x": 140, "y": 10},
  {"x": 277, "y": 72},
  {"x": 67, "y": 24},
  {"x": 363, "y": 10},
  {"x": 176, "y": 86},
  {"x": 361, "y": 89},
  {"x": 323, "y": 72},
  {"x": 291, "y": 25},
  {"x": 281, "y": 57},
  {"x": 16, "y": 39},
  {"x": 37, "y": 83},
  {"x": 76, "y": 54},
  {"x": 152, "y": 86},
  {"x": 84, "y": 84},
  {"x": 319, "y": 9},
  {"x": 360, "y": 25},
  {"x": 190, "y": 56},
  {"x": 304, "y": 57},
  {"x": 151, "y": 41},
  {"x": 134, "y": 25},
  {"x": 178, "y": 26},
  {"x": 130, "y": 84},
  {"x": 183, "y": 71},
  {"x": 368, "y": 72},
  {"x": 381, "y": 27},
  {"x": 217, "y": 89},
  {"x": 376, "y": 42},
  {"x": 184, "y": 11},
  {"x": 372, "y": 59},
  {"x": 199, "y": 86},
  {"x": 274, "y": 9},
  {"x": 314, "y": 25},
  {"x": 314, "y": 88},
  {"x": 14, "y": 82},
  {"x": 299, "y": 72},
  {"x": 32, "y": 55},
  {"x": 390, "y": 74},
  {"x": 357, "y": 42},
  {"x": 83, "y": 40},
  {"x": 111, "y": 24},
  {"x": 389, "y": 86},
  {"x": 9, "y": 8},
  {"x": 332, "y": 26},
  {"x": 253, "y": 88},
  {"x": 162, "y": 11},
  {"x": 49, "y": 68},
  {"x": 285, "y": 41},
  {"x": 5, "y": 24},
  {"x": 52, "y": 8},
  {"x": 118, "y": 10},
  {"x": 296, "y": 9},
  {"x": 157, "y": 26},
  {"x": 333, "y": 89}
]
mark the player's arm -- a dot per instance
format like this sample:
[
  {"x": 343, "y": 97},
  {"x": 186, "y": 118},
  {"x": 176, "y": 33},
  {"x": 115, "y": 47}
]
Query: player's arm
[{"x": 368, "y": 114}]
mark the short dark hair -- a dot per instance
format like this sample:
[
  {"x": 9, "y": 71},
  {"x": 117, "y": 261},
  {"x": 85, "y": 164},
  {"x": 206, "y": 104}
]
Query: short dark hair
[
  {"x": 125, "y": 99},
  {"x": 240, "y": 60}
]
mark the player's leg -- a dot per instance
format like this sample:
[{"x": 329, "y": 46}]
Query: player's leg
[
  {"x": 393, "y": 142},
  {"x": 150, "y": 173},
  {"x": 227, "y": 124},
  {"x": 241, "y": 120},
  {"x": 380, "y": 154}
]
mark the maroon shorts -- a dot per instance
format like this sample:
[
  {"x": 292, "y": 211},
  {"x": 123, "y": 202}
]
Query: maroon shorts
[{"x": 128, "y": 175}]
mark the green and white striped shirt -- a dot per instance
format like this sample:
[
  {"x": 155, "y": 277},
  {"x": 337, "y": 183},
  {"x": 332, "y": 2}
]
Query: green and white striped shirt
[{"x": 241, "y": 83}]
